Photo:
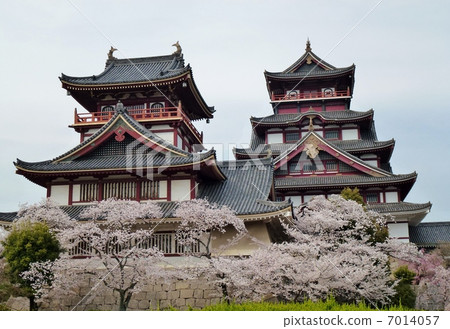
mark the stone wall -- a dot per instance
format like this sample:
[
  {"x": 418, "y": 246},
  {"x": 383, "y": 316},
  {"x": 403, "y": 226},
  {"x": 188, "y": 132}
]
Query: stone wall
[{"x": 178, "y": 294}]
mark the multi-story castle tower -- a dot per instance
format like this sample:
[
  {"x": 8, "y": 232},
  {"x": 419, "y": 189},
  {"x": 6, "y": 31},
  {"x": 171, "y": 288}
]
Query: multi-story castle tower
[
  {"x": 138, "y": 142},
  {"x": 320, "y": 146}
]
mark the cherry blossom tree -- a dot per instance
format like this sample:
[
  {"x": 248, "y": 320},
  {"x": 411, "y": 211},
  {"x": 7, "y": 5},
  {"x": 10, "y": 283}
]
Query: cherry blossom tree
[
  {"x": 330, "y": 251},
  {"x": 201, "y": 223},
  {"x": 114, "y": 237},
  {"x": 46, "y": 211},
  {"x": 433, "y": 282}
]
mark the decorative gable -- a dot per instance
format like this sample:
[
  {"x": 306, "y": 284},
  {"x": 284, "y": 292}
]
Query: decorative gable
[{"x": 306, "y": 153}]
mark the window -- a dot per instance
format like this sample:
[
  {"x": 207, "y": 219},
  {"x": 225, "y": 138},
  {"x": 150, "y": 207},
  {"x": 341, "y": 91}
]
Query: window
[
  {"x": 149, "y": 190},
  {"x": 309, "y": 167},
  {"x": 88, "y": 192},
  {"x": 119, "y": 190},
  {"x": 331, "y": 165},
  {"x": 108, "y": 108},
  {"x": 372, "y": 197},
  {"x": 156, "y": 105},
  {"x": 273, "y": 138},
  {"x": 331, "y": 134},
  {"x": 294, "y": 167},
  {"x": 349, "y": 134},
  {"x": 292, "y": 137}
]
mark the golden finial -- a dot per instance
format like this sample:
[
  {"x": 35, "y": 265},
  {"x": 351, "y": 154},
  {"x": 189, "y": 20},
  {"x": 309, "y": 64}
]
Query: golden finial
[{"x": 308, "y": 45}]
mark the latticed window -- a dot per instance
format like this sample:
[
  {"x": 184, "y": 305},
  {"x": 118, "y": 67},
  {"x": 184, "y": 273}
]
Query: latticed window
[
  {"x": 292, "y": 137},
  {"x": 135, "y": 107},
  {"x": 149, "y": 190},
  {"x": 331, "y": 165},
  {"x": 193, "y": 248},
  {"x": 157, "y": 106},
  {"x": 309, "y": 167},
  {"x": 88, "y": 192},
  {"x": 331, "y": 134},
  {"x": 294, "y": 166},
  {"x": 372, "y": 197},
  {"x": 162, "y": 241},
  {"x": 119, "y": 190},
  {"x": 108, "y": 108}
]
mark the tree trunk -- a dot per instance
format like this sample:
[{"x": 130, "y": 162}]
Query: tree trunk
[
  {"x": 122, "y": 302},
  {"x": 33, "y": 304}
]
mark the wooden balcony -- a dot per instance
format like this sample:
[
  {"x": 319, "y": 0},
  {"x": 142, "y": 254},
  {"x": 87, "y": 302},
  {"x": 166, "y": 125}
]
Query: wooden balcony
[
  {"x": 141, "y": 115},
  {"x": 310, "y": 96}
]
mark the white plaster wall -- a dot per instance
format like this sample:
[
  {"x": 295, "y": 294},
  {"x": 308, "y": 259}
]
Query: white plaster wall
[
  {"x": 76, "y": 192},
  {"x": 245, "y": 246},
  {"x": 373, "y": 163},
  {"x": 163, "y": 189},
  {"x": 368, "y": 156},
  {"x": 399, "y": 230},
  {"x": 296, "y": 200},
  {"x": 308, "y": 198},
  {"x": 181, "y": 190},
  {"x": 274, "y": 138},
  {"x": 167, "y": 136},
  {"x": 60, "y": 194},
  {"x": 156, "y": 127},
  {"x": 348, "y": 134},
  {"x": 391, "y": 197}
]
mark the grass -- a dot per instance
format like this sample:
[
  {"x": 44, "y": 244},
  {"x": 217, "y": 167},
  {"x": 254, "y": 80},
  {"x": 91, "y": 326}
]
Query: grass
[{"x": 329, "y": 304}]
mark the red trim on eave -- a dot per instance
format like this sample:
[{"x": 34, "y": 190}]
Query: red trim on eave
[
  {"x": 86, "y": 149},
  {"x": 330, "y": 151}
]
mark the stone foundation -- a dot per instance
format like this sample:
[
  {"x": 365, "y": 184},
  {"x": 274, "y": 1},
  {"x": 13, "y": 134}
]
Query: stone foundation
[{"x": 178, "y": 294}]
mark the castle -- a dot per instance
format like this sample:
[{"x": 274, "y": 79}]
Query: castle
[{"x": 138, "y": 141}]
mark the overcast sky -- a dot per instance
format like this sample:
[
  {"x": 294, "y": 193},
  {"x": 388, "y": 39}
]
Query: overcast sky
[{"x": 401, "y": 50}]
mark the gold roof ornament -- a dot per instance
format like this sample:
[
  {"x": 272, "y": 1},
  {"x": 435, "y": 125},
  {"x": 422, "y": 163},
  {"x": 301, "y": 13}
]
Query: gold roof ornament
[
  {"x": 311, "y": 124},
  {"x": 110, "y": 53},
  {"x": 308, "y": 45},
  {"x": 178, "y": 51},
  {"x": 311, "y": 150}
]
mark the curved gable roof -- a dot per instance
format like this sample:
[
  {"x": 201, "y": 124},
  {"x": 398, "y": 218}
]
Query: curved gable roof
[
  {"x": 132, "y": 70},
  {"x": 341, "y": 155}
]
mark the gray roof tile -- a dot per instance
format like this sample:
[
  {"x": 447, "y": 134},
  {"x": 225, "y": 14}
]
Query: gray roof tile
[
  {"x": 7, "y": 216},
  {"x": 344, "y": 180},
  {"x": 246, "y": 189},
  {"x": 430, "y": 234},
  {"x": 134, "y": 70},
  {"x": 348, "y": 145},
  {"x": 315, "y": 73},
  {"x": 332, "y": 116},
  {"x": 397, "y": 207}
]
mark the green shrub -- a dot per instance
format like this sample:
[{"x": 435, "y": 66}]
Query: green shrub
[
  {"x": 28, "y": 243},
  {"x": 4, "y": 308},
  {"x": 405, "y": 294}
]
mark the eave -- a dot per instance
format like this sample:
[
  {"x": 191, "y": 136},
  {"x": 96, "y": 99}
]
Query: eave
[{"x": 206, "y": 167}]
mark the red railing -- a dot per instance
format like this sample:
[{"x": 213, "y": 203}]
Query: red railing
[
  {"x": 310, "y": 95},
  {"x": 163, "y": 113}
]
